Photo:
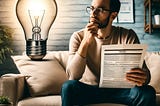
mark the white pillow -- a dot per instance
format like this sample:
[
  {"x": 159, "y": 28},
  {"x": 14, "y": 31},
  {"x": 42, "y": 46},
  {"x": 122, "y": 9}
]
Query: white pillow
[
  {"x": 153, "y": 63},
  {"x": 45, "y": 77}
]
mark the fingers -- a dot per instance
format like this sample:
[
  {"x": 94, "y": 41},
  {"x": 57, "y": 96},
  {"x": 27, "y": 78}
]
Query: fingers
[
  {"x": 136, "y": 76},
  {"x": 138, "y": 82},
  {"x": 92, "y": 28}
]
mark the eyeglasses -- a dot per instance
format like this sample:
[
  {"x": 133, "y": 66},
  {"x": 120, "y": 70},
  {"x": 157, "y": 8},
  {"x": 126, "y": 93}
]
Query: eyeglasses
[{"x": 90, "y": 9}]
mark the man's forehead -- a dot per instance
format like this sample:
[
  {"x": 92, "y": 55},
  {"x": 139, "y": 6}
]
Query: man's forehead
[{"x": 101, "y": 3}]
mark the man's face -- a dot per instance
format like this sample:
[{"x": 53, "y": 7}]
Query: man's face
[{"x": 100, "y": 17}]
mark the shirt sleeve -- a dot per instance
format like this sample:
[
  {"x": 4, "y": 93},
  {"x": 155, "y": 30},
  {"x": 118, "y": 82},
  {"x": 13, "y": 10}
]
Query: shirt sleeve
[{"x": 76, "y": 64}]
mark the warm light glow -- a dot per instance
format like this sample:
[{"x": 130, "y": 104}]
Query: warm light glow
[
  {"x": 44, "y": 10},
  {"x": 36, "y": 18},
  {"x": 35, "y": 5}
]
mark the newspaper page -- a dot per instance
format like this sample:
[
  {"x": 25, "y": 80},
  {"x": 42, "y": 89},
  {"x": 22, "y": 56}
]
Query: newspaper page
[{"x": 116, "y": 60}]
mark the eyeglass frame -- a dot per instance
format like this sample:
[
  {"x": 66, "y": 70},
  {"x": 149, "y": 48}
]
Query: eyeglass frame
[{"x": 101, "y": 9}]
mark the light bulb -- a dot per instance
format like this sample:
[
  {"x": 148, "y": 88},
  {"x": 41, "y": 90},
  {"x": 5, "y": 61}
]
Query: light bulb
[{"x": 36, "y": 18}]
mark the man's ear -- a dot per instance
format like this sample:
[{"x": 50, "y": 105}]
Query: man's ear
[{"x": 113, "y": 15}]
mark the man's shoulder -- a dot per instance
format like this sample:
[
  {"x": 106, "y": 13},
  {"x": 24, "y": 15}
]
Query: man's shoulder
[
  {"x": 125, "y": 34},
  {"x": 123, "y": 29},
  {"x": 78, "y": 35},
  {"x": 79, "y": 32}
]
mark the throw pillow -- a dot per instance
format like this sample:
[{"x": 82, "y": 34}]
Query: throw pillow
[
  {"x": 43, "y": 77},
  {"x": 61, "y": 56},
  {"x": 153, "y": 63}
]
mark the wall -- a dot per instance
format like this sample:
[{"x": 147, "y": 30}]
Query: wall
[
  {"x": 71, "y": 17},
  {"x": 153, "y": 40}
]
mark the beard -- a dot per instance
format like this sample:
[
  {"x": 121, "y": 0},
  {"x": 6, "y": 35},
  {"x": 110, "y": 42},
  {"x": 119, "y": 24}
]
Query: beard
[{"x": 104, "y": 24}]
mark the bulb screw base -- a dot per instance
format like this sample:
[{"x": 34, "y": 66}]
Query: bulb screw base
[{"x": 36, "y": 50}]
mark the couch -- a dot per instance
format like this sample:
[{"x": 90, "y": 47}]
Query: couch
[{"x": 39, "y": 82}]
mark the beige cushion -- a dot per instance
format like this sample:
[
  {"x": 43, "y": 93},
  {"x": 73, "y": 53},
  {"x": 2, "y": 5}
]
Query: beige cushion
[
  {"x": 153, "y": 63},
  {"x": 44, "y": 77},
  {"x": 61, "y": 56}
]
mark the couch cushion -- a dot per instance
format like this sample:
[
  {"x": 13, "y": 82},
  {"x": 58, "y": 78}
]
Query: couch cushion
[
  {"x": 43, "y": 77},
  {"x": 41, "y": 101},
  {"x": 54, "y": 100},
  {"x": 153, "y": 63}
]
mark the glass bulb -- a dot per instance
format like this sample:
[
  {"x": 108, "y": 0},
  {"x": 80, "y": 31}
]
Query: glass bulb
[{"x": 36, "y": 18}]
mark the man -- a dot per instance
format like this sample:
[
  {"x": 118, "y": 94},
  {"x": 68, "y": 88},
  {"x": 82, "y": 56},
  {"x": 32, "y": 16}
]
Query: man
[{"x": 83, "y": 66}]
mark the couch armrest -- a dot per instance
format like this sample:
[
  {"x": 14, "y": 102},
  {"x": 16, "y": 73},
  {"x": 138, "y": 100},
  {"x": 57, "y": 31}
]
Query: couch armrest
[{"x": 12, "y": 86}]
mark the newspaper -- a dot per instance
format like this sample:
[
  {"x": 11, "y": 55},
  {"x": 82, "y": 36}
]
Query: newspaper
[{"x": 116, "y": 60}]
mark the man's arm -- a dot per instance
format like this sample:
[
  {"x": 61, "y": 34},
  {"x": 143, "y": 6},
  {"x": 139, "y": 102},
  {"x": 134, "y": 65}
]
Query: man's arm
[
  {"x": 76, "y": 63},
  {"x": 78, "y": 49}
]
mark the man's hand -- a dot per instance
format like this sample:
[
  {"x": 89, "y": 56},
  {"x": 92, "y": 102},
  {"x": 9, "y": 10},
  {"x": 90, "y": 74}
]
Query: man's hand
[
  {"x": 136, "y": 76},
  {"x": 90, "y": 31}
]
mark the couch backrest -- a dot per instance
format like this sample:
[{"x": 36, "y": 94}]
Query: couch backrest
[
  {"x": 61, "y": 56},
  {"x": 153, "y": 63}
]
